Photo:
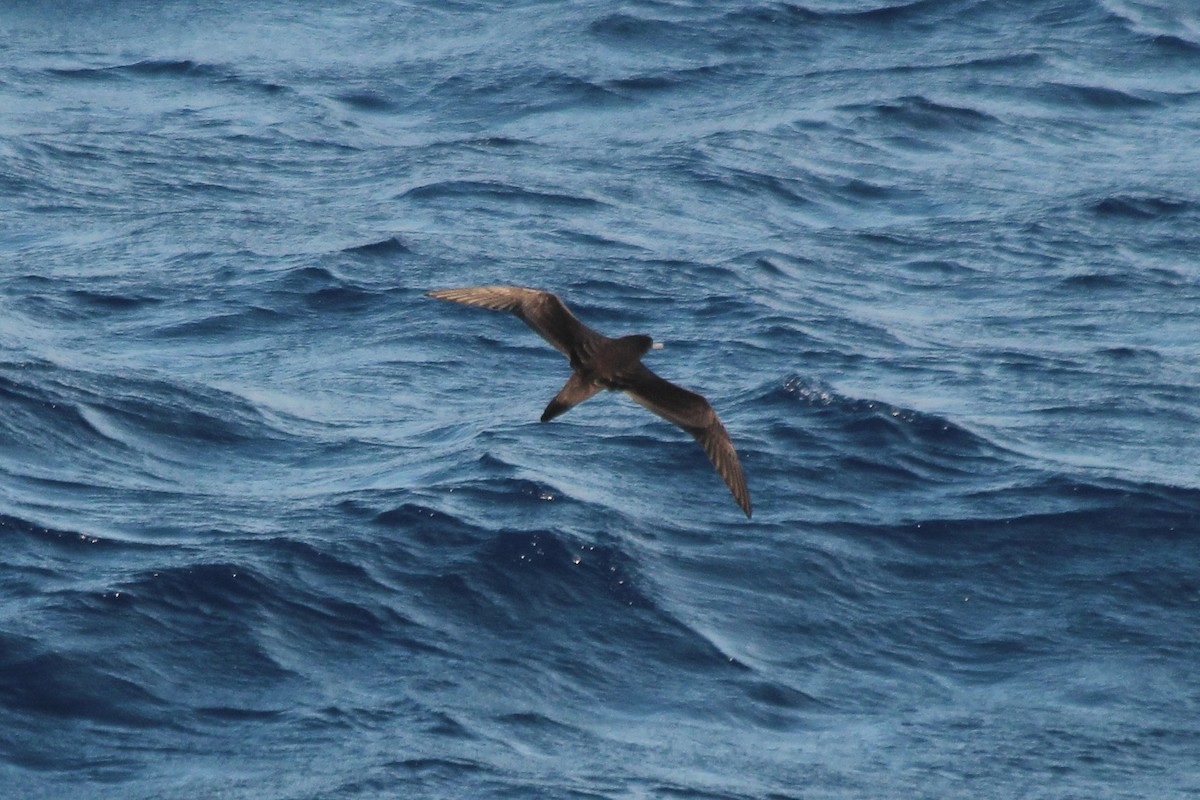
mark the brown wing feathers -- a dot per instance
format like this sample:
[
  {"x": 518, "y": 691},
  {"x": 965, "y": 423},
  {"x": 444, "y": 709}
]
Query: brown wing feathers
[
  {"x": 542, "y": 311},
  {"x": 692, "y": 413}
]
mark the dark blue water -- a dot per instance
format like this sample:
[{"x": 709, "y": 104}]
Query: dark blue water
[{"x": 275, "y": 525}]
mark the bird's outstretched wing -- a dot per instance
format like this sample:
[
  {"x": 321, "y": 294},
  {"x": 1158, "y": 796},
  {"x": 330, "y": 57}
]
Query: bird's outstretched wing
[
  {"x": 691, "y": 412},
  {"x": 542, "y": 311}
]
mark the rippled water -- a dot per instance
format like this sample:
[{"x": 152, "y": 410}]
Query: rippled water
[{"x": 275, "y": 525}]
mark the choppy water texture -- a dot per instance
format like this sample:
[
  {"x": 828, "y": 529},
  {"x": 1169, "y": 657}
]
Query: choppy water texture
[{"x": 274, "y": 525}]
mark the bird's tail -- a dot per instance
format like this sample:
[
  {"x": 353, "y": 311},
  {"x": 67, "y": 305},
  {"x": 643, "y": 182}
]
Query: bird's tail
[{"x": 574, "y": 392}]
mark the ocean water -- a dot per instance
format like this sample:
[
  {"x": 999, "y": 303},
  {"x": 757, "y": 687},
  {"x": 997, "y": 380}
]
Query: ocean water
[{"x": 275, "y": 525}]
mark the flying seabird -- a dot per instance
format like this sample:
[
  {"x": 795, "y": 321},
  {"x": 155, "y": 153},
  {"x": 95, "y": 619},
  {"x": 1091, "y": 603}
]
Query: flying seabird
[{"x": 598, "y": 362}]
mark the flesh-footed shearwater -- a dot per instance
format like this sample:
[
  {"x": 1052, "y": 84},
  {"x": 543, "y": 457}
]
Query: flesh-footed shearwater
[{"x": 598, "y": 362}]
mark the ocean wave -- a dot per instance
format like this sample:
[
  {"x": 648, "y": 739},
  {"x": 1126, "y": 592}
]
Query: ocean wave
[
  {"x": 71, "y": 540},
  {"x": 112, "y": 302},
  {"x": 922, "y": 114},
  {"x": 1047, "y": 512},
  {"x": 522, "y": 90},
  {"x": 1164, "y": 25},
  {"x": 163, "y": 68},
  {"x": 794, "y": 18},
  {"x": 383, "y": 248},
  {"x": 179, "y": 67},
  {"x": 319, "y": 289},
  {"x": 1098, "y": 98},
  {"x": 689, "y": 77},
  {"x": 510, "y": 576},
  {"x": 366, "y": 100},
  {"x": 137, "y": 427},
  {"x": 1143, "y": 207},
  {"x": 231, "y": 324},
  {"x": 1177, "y": 44},
  {"x": 630, "y": 28},
  {"x": 42, "y": 683},
  {"x": 874, "y": 424},
  {"x": 897, "y": 12},
  {"x": 498, "y": 190}
]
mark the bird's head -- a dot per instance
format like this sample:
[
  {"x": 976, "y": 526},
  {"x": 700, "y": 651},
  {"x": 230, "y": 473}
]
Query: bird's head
[{"x": 639, "y": 344}]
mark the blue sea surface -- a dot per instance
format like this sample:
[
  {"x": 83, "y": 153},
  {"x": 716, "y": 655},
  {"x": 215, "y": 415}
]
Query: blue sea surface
[{"x": 275, "y": 525}]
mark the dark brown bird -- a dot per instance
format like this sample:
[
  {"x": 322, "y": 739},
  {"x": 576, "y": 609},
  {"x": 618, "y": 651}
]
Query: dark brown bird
[{"x": 598, "y": 362}]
